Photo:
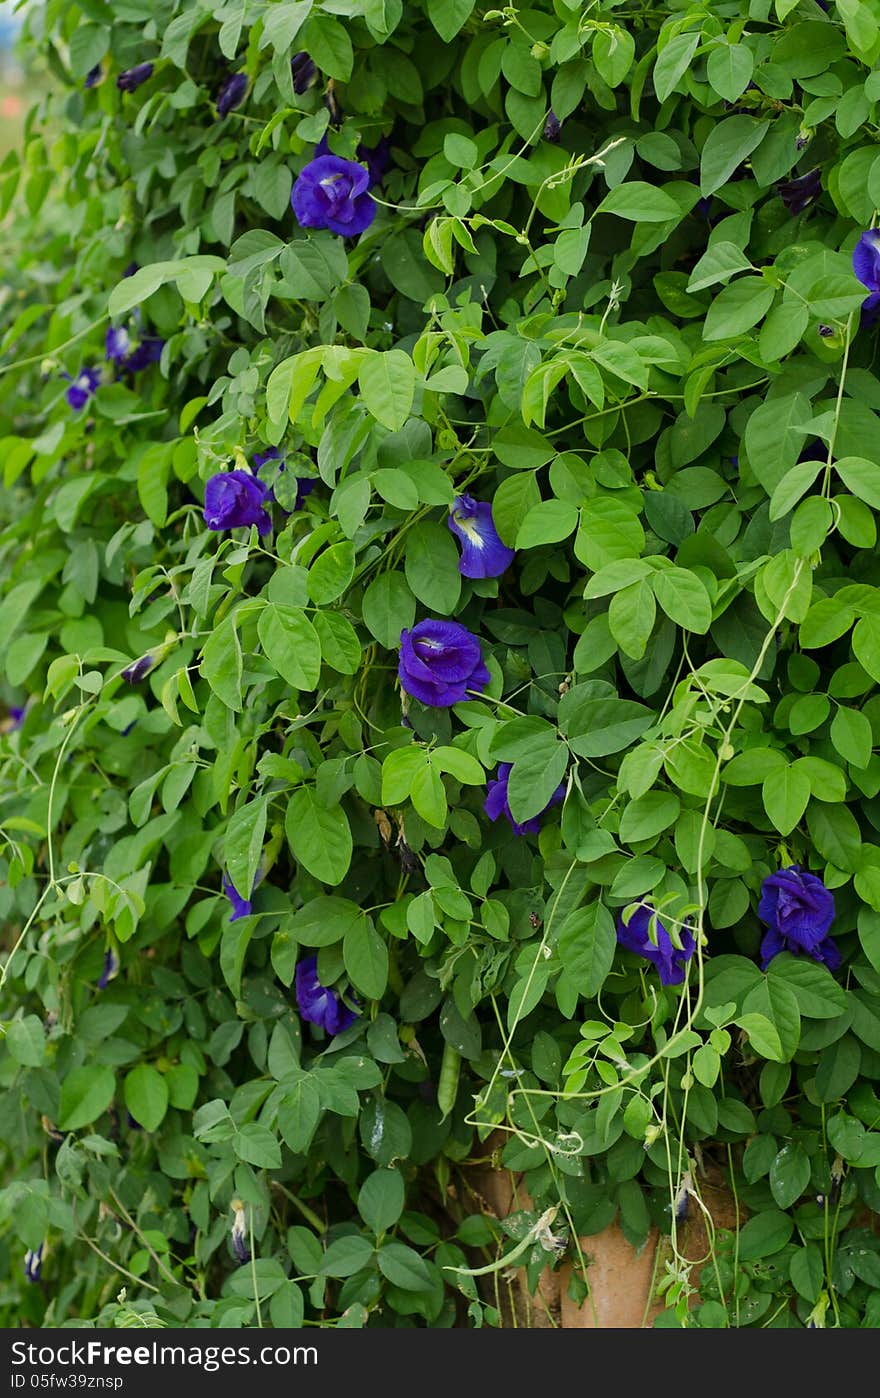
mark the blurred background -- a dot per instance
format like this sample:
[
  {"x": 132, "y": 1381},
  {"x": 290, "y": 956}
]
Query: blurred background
[{"x": 13, "y": 87}]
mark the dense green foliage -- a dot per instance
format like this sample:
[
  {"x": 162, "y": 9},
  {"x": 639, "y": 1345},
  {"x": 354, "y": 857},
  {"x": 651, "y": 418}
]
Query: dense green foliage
[{"x": 628, "y": 342}]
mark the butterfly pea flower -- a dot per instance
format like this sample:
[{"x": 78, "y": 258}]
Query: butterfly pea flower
[
  {"x": 241, "y": 907},
  {"x": 147, "y": 352},
  {"x": 238, "y": 1232},
  {"x": 441, "y": 663},
  {"x": 482, "y": 553},
  {"x": 796, "y": 194},
  {"x": 140, "y": 668},
  {"x": 133, "y": 78},
  {"x": 304, "y": 484},
  {"x": 111, "y": 969},
  {"x": 231, "y": 93},
  {"x": 496, "y": 803},
  {"x": 94, "y": 76},
  {"x": 303, "y": 72},
  {"x": 866, "y": 265},
  {"x": 15, "y": 716},
  {"x": 237, "y": 498},
  {"x": 798, "y": 910},
  {"x": 33, "y": 1263},
  {"x": 317, "y": 1003},
  {"x": 117, "y": 342},
  {"x": 82, "y": 388},
  {"x": 333, "y": 193},
  {"x": 634, "y": 935},
  {"x": 552, "y": 127}
]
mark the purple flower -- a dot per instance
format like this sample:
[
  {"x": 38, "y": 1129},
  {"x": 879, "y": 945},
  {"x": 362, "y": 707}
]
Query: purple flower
[
  {"x": 333, "y": 193},
  {"x": 376, "y": 158},
  {"x": 798, "y": 910},
  {"x": 669, "y": 960},
  {"x": 111, "y": 969},
  {"x": 231, "y": 93},
  {"x": 14, "y": 719},
  {"x": 303, "y": 72},
  {"x": 800, "y": 191},
  {"x": 82, "y": 388},
  {"x": 238, "y": 1233},
  {"x": 140, "y": 668},
  {"x": 317, "y": 1004},
  {"x": 496, "y": 803},
  {"x": 304, "y": 484},
  {"x": 148, "y": 352},
  {"x": 482, "y": 553},
  {"x": 94, "y": 76},
  {"x": 866, "y": 265},
  {"x": 241, "y": 907},
  {"x": 132, "y": 78},
  {"x": 552, "y": 127},
  {"x": 236, "y": 498},
  {"x": 117, "y": 342},
  {"x": 33, "y": 1263},
  {"x": 440, "y": 662}
]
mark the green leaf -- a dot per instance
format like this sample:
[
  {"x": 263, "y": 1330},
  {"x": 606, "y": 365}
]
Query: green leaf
[
  {"x": 387, "y": 381},
  {"x": 631, "y": 616},
  {"x": 789, "y": 1175},
  {"x": 730, "y": 69},
  {"x": 719, "y": 261},
  {"x": 587, "y": 943},
  {"x": 146, "y": 1096},
  {"x": 815, "y": 989},
  {"x": 26, "y": 1041},
  {"x": 549, "y": 522},
  {"x": 728, "y": 144},
  {"x": 534, "y": 778},
  {"x": 684, "y": 598},
  {"x": 640, "y": 203},
  {"x": 777, "y": 1002},
  {"x": 222, "y": 663},
  {"x": 366, "y": 958},
  {"x": 290, "y": 643},
  {"x": 852, "y": 736},
  {"x": 785, "y": 792},
  {"x": 243, "y": 845},
  {"x": 432, "y": 567},
  {"x": 861, "y": 477},
  {"x": 737, "y": 308},
  {"x": 672, "y": 63},
  {"x": 346, "y": 1256},
  {"x": 404, "y": 1267},
  {"x": 258, "y": 1146},
  {"x": 765, "y": 1234},
  {"x": 792, "y": 486},
  {"x": 331, "y": 573},
  {"x": 86, "y": 1093},
  {"x": 388, "y": 608},
  {"x": 380, "y": 1199},
  {"x": 319, "y": 838}
]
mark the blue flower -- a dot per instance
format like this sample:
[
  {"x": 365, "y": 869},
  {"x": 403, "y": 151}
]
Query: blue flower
[
  {"x": 231, "y": 93},
  {"x": 15, "y": 717},
  {"x": 148, "y": 352},
  {"x": 111, "y": 969},
  {"x": 333, "y": 193},
  {"x": 376, "y": 158},
  {"x": 234, "y": 499},
  {"x": 33, "y": 1263},
  {"x": 132, "y": 78},
  {"x": 140, "y": 668},
  {"x": 797, "y": 193},
  {"x": 866, "y": 265},
  {"x": 496, "y": 803},
  {"x": 94, "y": 76},
  {"x": 482, "y": 553},
  {"x": 634, "y": 935},
  {"x": 317, "y": 1003},
  {"x": 82, "y": 388},
  {"x": 303, "y": 72},
  {"x": 241, "y": 907},
  {"x": 798, "y": 910},
  {"x": 117, "y": 342},
  {"x": 238, "y": 1233},
  {"x": 441, "y": 663},
  {"x": 552, "y": 127}
]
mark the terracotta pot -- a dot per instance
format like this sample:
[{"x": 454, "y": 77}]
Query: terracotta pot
[{"x": 621, "y": 1278}]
